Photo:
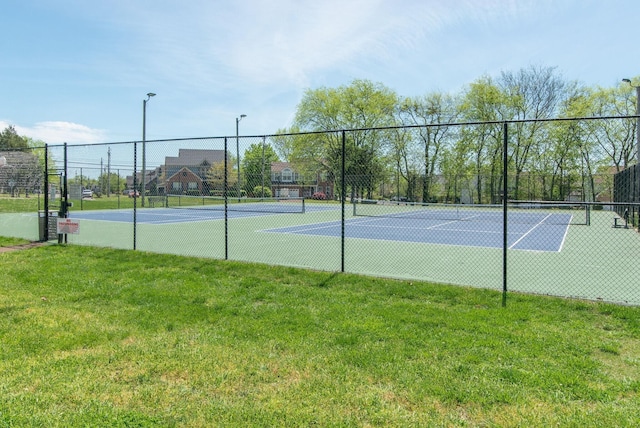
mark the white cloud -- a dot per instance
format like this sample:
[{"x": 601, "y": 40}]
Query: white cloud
[{"x": 57, "y": 132}]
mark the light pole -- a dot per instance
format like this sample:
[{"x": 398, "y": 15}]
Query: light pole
[
  {"x": 637, "y": 88},
  {"x": 144, "y": 147},
  {"x": 238, "y": 119}
]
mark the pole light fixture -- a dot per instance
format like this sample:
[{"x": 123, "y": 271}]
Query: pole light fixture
[
  {"x": 238, "y": 119},
  {"x": 637, "y": 88},
  {"x": 144, "y": 148}
]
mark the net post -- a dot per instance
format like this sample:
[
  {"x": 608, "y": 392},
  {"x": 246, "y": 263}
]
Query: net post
[
  {"x": 588, "y": 214},
  {"x": 303, "y": 205}
]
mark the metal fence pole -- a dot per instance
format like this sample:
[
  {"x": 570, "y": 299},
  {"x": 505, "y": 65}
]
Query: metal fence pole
[
  {"x": 226, "y": 196},
  {"x": 65, "y": 200},
  {"x": 45, "y": 236},
  {"x": 343, "y": 189},
  {"x": 135, "y": 190},
  {"x": 505, "y": 182}
]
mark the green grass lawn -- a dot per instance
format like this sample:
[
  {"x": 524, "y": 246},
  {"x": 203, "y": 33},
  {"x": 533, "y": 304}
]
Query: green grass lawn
[
  {"x": 102, "y": 337},
  {"x": 20, "y": 204},
  {"x": 8, "y": 242},
  {"x": 36, "y": 202}
]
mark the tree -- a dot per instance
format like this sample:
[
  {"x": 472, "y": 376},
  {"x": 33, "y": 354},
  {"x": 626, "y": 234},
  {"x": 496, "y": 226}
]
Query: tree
[
  {"x": 436, "y": 110},
  {"x": 256, "y": 166},
  {"x": 615, "y": 139},
  {"x": 10, "y": 140},
  {"x": 484, "y": 101},
  {"x": 215, "y": 180},
  {"x": 358, "y": 107},
  {"x": 531, "y": 93}
]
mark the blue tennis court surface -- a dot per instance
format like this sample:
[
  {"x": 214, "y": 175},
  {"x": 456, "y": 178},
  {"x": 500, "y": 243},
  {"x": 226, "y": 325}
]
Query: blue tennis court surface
[
  {"x": 160, "y": 215},
  {"x": 185, "y": 215},
  {"x": 541, "y": 236},
  {"x": 528, "y": 231}
]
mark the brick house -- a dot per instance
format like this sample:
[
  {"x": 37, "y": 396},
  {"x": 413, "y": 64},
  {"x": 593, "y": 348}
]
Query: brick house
[
  {"x": 187, "y": 173},
  {"x": 286, "y": 181},
  {"x": 185, "y": 181}
]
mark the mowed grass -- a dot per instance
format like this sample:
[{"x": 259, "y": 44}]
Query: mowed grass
[
  {"x": 10, "y": 204},
  {"x": 9, "y": 242},
  {"x": 100, "y": 337},
  {"x": 33, "y": 203}
]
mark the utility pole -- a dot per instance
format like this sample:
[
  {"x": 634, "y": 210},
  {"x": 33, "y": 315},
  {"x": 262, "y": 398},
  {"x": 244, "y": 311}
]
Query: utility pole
[{"x": 108, "y": 171}]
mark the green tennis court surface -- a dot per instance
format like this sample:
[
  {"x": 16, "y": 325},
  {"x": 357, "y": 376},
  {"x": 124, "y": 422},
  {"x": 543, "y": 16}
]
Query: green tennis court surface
[{"x": 594, "y": 262}]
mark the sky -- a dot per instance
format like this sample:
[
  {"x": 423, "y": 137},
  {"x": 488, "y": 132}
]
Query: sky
[{"x": 78, "y": 71}]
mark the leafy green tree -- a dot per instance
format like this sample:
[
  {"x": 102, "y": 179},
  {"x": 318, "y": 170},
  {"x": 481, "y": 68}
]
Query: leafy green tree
[
  {"x": 428, "y": 142},
  {"x": 615, "y": 139},
  {"x": 483, "y": 101},
  {"x": 305, "y": 152},
  {"x": 215, "y": 180},
  {"x": 357, "y": 107},
  {"x": 109, "y": 183},
  {"x": 256, "y": 166},
  {"x": 531, "y": 93},
  {"x": 10, "y": 140}
]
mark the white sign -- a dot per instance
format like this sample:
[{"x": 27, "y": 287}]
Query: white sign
[{"x": 68, "y": 226}]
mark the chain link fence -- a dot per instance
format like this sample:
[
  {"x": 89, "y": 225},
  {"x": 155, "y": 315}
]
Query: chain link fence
[{"x": 528, "y": 206}]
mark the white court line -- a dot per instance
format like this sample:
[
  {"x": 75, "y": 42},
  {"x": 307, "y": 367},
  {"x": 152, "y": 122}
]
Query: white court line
[
  {"x": 529, "y": 231},
  {"x": 564, "y": 237}
]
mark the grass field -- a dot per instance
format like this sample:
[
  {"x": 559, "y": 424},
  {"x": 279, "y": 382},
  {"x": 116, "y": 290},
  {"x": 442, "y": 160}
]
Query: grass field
[
  {"x": 36, "y": 202},
  {"x": 104, "y": 337}
]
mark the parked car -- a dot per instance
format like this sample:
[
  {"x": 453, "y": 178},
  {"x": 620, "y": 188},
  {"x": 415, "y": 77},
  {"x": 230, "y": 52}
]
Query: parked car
[
  {"x": 87, "y": 193},
  {"x": 131, "y": 193},
  {"x": 319, "y": 195}
]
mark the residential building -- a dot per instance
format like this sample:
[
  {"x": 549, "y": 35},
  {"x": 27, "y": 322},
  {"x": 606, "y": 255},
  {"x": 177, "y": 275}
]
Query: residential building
[{"x": 287, "y": 182}]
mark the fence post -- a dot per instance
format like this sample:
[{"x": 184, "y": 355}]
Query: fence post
[
  {"x": 64, "y": 201},
  {"x": 135, "y": 187},
  {"x": 344, "y": 197},
  {"x": 46, "y": 193},
  {"x": 505, "y": 182},
  {"x": 226, "y": 207}
]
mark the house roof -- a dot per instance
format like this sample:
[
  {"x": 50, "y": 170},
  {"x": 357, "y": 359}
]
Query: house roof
[
  {"x": 195, "y": 157},
  {"x": 280, "y": 166},
  {"x": 190, "y": 174}
]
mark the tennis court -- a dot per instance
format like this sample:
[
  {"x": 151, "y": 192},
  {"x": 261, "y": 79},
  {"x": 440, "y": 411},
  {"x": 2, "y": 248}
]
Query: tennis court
[
  {"x": 473, "y": 226},
  {"x": 551, "y": 250},
  {"x": 186, "y": 209}
]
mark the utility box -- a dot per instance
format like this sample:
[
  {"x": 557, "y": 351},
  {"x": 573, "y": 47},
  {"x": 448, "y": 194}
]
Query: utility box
[{"x": 48, "y": 225}]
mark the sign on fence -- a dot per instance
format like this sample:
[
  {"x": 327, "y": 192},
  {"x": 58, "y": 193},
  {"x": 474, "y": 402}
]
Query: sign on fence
[{"x": 69, "y": 226}]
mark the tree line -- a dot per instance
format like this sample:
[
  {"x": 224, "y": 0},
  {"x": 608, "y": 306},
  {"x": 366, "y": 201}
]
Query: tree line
[
  {"x": 439, "y": 144},
  {"x": 21, "y": 163}
]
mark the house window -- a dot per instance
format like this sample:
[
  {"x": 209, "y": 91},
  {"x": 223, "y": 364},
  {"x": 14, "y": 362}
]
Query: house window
[
  {"x": 176, "y": 185},
  {"x": 287, "y": 175},
  {"x": 193, "y": 185}
]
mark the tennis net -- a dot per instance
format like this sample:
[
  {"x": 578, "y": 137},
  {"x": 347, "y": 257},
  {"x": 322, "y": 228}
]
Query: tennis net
[
  {"x": 267, "y": 205},
  {"x": 534, "y": 212}
]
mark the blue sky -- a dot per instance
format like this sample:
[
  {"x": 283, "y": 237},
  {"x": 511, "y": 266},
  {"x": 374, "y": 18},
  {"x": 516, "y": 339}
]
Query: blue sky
[{"x": 77, "y": 71}]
